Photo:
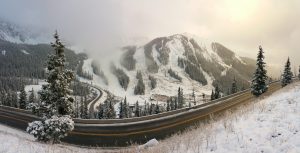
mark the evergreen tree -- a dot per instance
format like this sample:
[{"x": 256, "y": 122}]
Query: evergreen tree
[
  {"x": 56, "y": 103},
  {"x": 146, "y": 109},
  {"x": 259, "y": 82},
  {"x": 137, "y": 109},
  {"x": 55, "y": 96},
  {"x": 180, "y": 99},
  {"x": 176, "y": 103},
  {"x": 212, "y": 96},
  {"x": 8, "y": 99},
  {"x": 172, "y": 104},
  {"x": 84, "y": 108},
  {"x": 14, "y": 99},
  {"x": 111, "y": 112},
  {"x": 23, "y": 98},
  {"x": 126, "y": 110},
  {"x": 157, "y": 109},
  {"x": 32, "y": 105},
  {"x": 101, "y": 111},
  {"x": 121, "y": 110},
  {"x": 233, "y": 87},
  {"x": 168, "y": 105},
  {"x": 31, "y": 98},
  {"x": 194, "y": 96},
  {"x": 217, "y": 92},
  {"x": 287, "y": 76}
]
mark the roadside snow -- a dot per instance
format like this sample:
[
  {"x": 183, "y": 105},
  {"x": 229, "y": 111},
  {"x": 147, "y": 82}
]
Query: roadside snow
[
  {"x": 270, "y": 125},
  {"x": 16, "y": 141}
]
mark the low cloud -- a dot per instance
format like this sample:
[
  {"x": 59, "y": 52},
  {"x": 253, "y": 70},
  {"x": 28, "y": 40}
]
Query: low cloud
[{"x": 101, "y": 27}]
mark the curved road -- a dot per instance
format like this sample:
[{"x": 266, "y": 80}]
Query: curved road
[
  {"x": 123, "y": 132},
  {"x": 92, "y": 104}
]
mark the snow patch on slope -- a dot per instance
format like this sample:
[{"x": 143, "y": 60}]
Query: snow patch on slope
[
  {"x": 270, "y": 125},
  {"x": 25, "y": 52}
]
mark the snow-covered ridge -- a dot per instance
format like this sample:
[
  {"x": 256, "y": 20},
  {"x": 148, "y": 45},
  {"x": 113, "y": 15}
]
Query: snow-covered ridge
[
  {"x": 175, "y": 47},
  {"x": 18, "y": 34}
]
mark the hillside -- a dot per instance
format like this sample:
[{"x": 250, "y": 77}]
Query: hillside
[
  {"x": 181, "y": 60},
  {"x": 267, "y": 126},
  {"x": 28, "y": 61}
]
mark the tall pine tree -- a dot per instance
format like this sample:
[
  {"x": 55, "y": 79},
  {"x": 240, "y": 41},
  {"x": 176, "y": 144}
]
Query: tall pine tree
[
  {"x": 259, "y": 82},
  {"x": 212, "y": 96},
  {"x": 23, "y": 98},
  {"x": 233, "y": 87},
  {"x": 287, "y": 76},
  {"x": 56, "y": 104},
  {"x": 55, "y": 96},
  {"x": 137, "y": 109},
  {"x": 180, "y": 99},
  {"x": 217, "y": 92}
]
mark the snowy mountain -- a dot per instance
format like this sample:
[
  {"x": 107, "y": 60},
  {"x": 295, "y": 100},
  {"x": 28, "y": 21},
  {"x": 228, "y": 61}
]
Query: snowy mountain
[
  {"x": 19, "y": 34},
  {"x": 180, "y": 60}
]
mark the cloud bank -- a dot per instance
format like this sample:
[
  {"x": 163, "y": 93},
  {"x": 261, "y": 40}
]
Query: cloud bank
[{"x": 102, "y": 26}]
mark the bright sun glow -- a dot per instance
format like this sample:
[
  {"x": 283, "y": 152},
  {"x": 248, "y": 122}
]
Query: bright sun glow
[{"x": 241, "y": 9}]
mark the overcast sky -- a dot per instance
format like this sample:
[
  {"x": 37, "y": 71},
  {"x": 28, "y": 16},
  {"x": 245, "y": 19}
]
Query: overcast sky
[{"x": 101, "y": 25}]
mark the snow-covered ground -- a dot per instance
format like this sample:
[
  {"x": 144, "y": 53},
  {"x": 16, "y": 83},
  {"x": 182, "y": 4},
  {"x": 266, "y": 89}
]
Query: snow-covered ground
[
  {"x": 16, "y": 141},
  {"x": 270, "y": 125}
]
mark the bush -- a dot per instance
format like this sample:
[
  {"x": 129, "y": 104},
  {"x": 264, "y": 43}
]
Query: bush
[{"x": 52, "y": 129}]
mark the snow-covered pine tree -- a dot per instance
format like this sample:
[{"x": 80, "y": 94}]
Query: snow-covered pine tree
[
  {"x": 180, "y": 99},
  {"x": 168, "y": 106},
  {"x": 111, "y": 113},
  {"x": 121, "y": 110},
  {"x": 126, "y": 109},
  {"x": 55, "y": 96},
  {"x": 194, "y": 96},
  {"x": 32, "y": 105},
  {"x": 287, "y": 76},
  {"x": 176, "y": 103},
  {"x": 157, "y": 111},
  {"x": 146, "y": 109},
  {"x": 31, "y": 98},
  {"x": 23, "y": 98},
  {"x": 217, "y": 92},
  {"x": 151, "y": 109},
  {"x": 137, "y": 110},
  {"x": 83, "y": 109},
  {"x": 172, "y": 104},
  {"x": 212, "y": 96},
  {"x": 14, "y": 99},
  {"x": 101, "y": 111},
  {"x": 56, "y": 105},
  {"x": 259, "y": 82},
  {"x": 233, "y": 87}
]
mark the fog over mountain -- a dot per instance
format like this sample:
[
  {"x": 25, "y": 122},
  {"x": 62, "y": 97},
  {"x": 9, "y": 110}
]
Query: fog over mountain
[{"x": 100, "y": 27}]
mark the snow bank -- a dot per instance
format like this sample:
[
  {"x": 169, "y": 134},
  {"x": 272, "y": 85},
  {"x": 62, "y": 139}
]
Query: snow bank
[
  {"x": 16, "y": 141},
  {"x": 270, "y": 125}
]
